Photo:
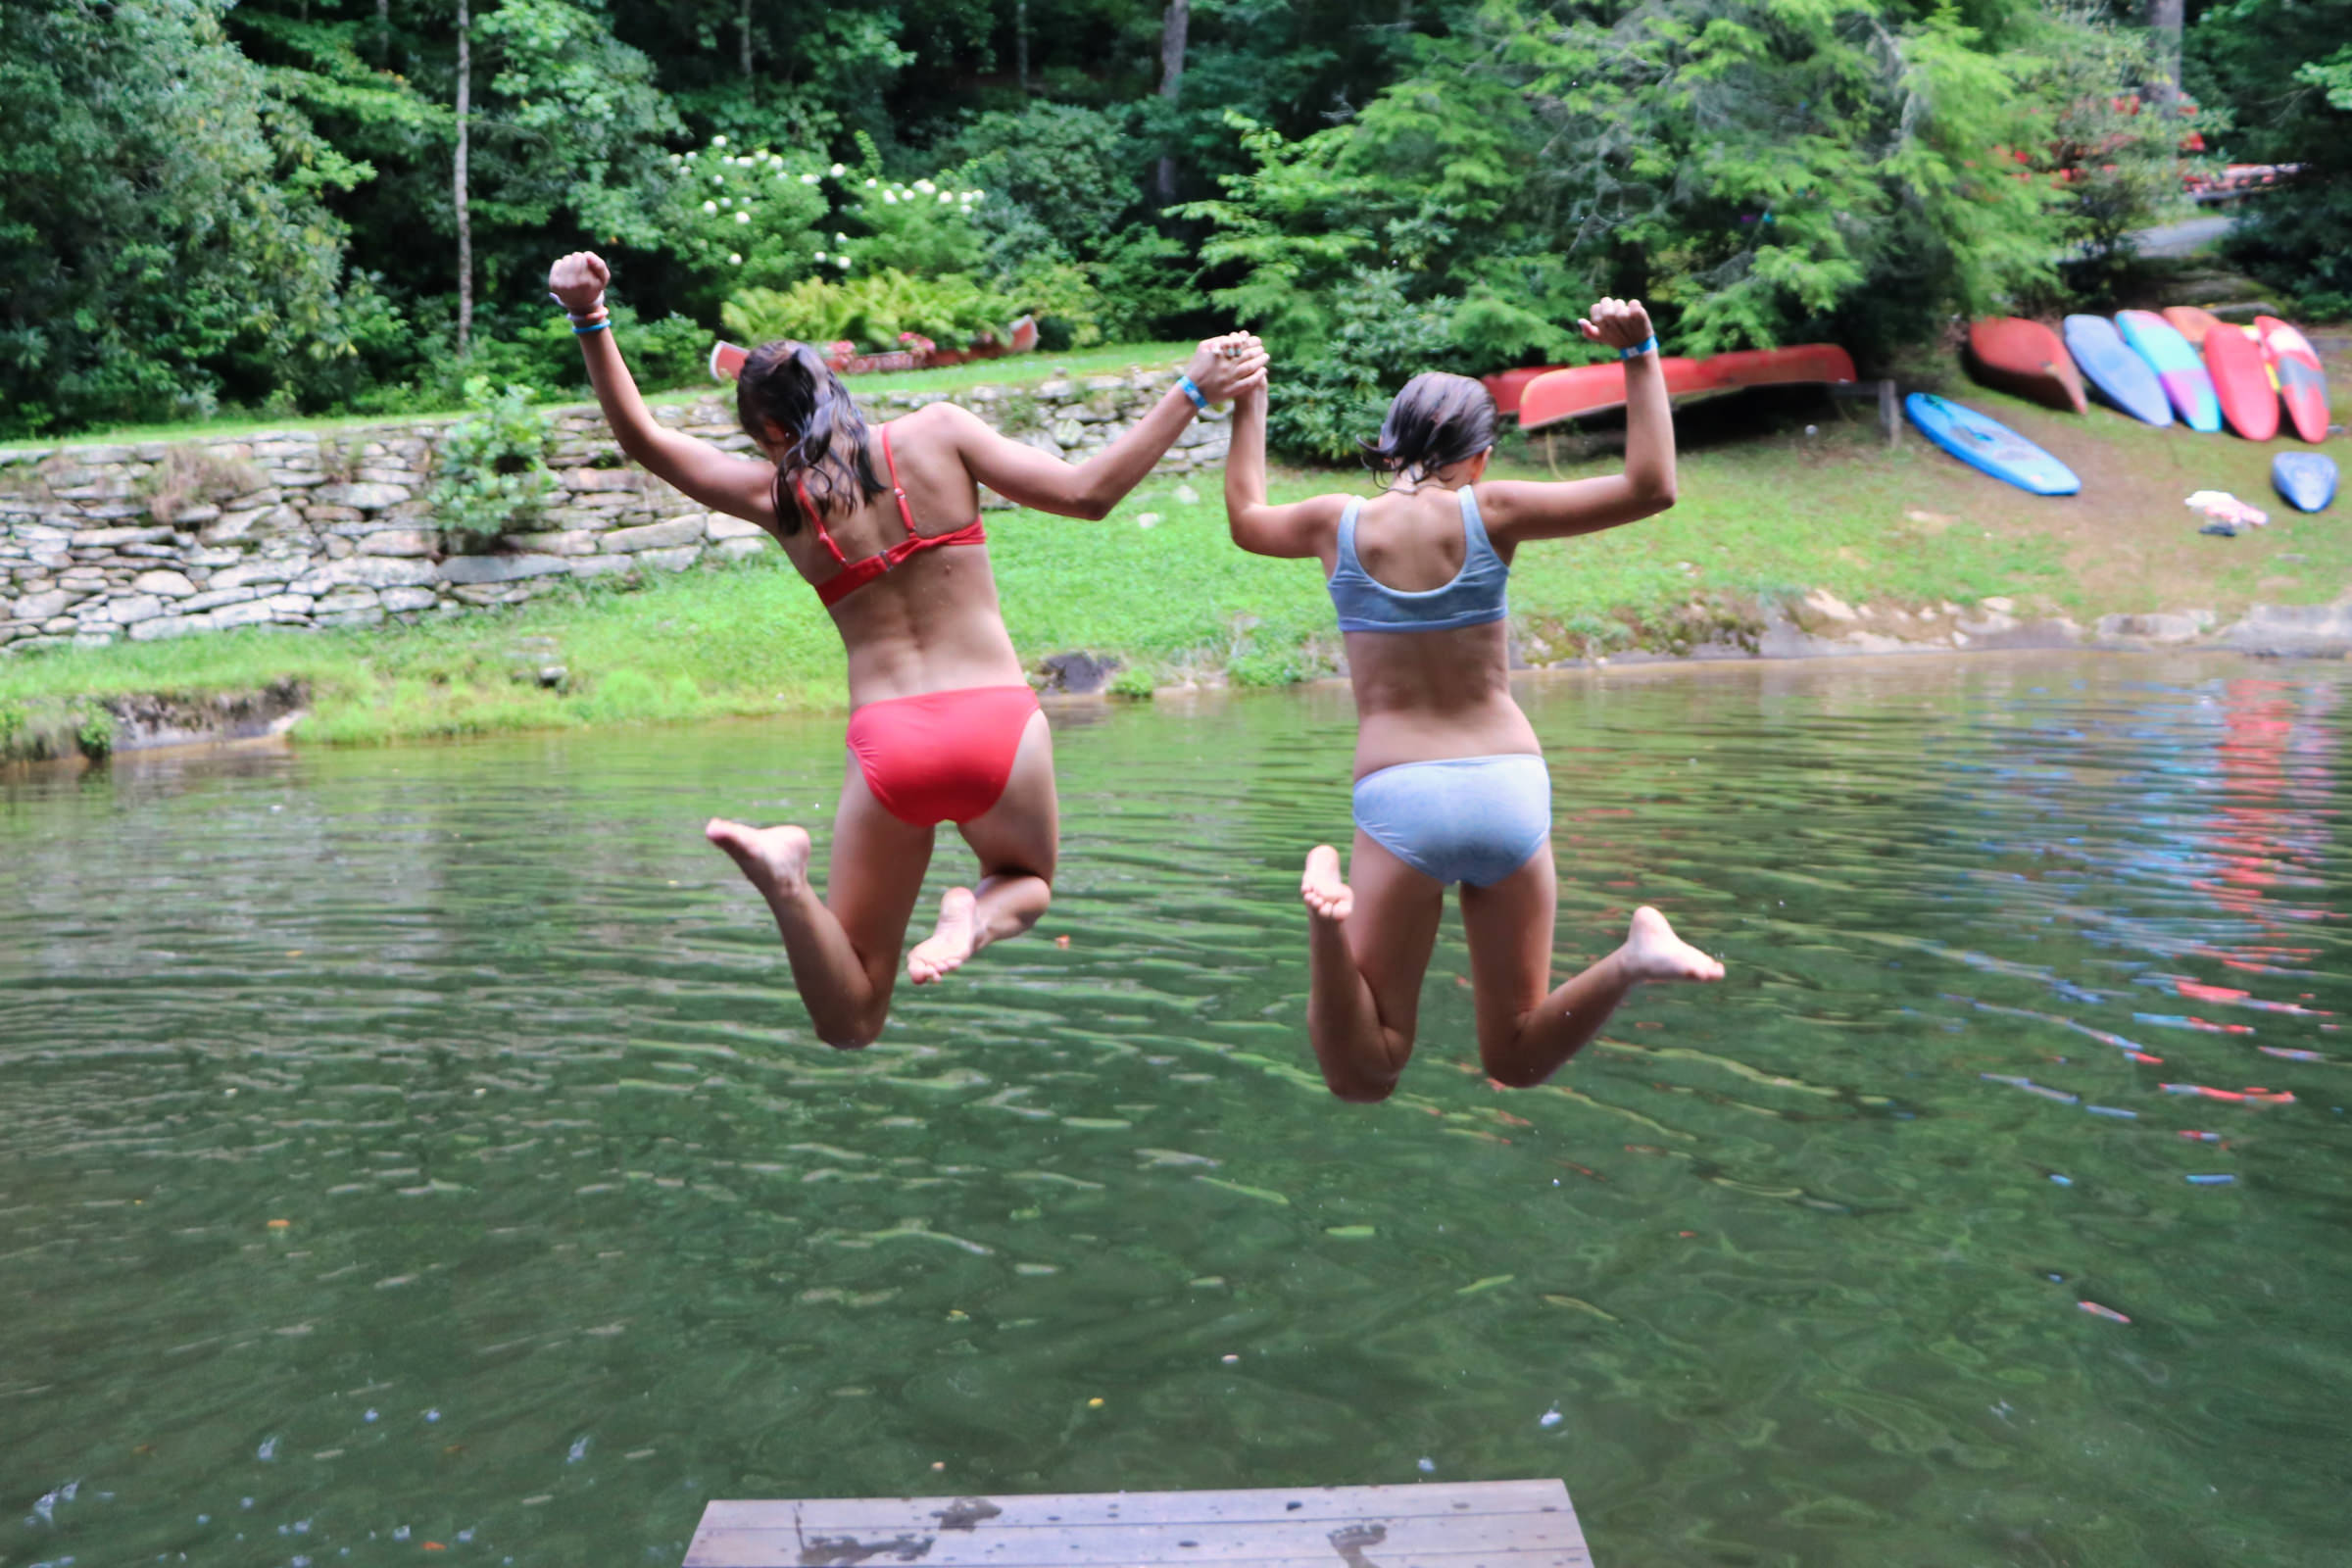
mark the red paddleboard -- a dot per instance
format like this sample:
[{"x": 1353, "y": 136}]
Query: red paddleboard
[
  {"x": 2192, "y": 322},
  {"x": 1558, "y": 395},
  {"x": 2242, "y": 382},
  {"x": 2027, "y": 359},
  {"x": 2302, "y": 386}
]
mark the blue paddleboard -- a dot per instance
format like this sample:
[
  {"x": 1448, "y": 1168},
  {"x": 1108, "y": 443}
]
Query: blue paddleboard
[
  {"x": 2179, "y": 370},
  {"x": 2114, "y": 371},
  {"x": 1982, "y": 443},
  {"x": 2306, "y": 478}
]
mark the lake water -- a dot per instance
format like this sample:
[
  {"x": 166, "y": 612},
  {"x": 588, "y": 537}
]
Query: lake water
[{"x": 425, "y": 1146}]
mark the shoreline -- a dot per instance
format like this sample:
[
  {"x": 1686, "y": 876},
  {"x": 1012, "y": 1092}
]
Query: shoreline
[{"x": 160, "y": 725}]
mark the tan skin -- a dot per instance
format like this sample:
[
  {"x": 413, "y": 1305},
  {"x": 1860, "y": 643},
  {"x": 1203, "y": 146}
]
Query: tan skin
[
  {"x": 1427, "y": 696},
  {"x": 930, "y": 625}
]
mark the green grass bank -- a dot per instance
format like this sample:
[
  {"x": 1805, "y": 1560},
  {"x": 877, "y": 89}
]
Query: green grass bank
[{"x": 1777, "y": 499}]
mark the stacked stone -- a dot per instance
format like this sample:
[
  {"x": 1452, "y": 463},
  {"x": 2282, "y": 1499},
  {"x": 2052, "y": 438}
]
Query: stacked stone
[{"x": 336, "y": 529}]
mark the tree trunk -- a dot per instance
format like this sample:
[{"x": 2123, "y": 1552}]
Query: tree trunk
[
  {"x": 458, "y": 178},
  {"x": 743, "y": 20},
  {"x": 2164, "y": 19},
  {"x": 1020, "y": 43},
  {"x": 1175, "y": 22}
]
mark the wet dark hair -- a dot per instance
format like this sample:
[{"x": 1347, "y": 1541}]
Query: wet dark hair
[
  {"x": 790, "y": 385},
  {"x": 1437, "y": 421}
]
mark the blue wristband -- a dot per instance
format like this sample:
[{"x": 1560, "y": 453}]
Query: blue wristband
[
  {"x": 1184, "y": 384},
  {"x": 1648, "y": 345},
  {"x": 592, "y": 327}
]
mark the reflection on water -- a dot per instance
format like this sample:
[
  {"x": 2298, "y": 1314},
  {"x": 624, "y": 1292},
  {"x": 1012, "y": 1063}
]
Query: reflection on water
[{"x": 421, "y": 1147}]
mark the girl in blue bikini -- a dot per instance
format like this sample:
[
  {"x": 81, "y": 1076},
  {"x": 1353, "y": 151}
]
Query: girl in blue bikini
[{"x": 1451, "y": 784}]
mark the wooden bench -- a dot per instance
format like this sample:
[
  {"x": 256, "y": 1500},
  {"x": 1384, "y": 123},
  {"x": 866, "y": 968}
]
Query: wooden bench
[{"x": 1478, "y": 1524}]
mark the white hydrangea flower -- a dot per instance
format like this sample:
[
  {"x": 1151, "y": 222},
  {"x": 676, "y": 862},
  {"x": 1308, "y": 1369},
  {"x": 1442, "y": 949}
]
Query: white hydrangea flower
[
  {"x": 719, "y": 179},
  {"x": 946, "y": 199},
  {"x": 839, "y": 238},
  {"x": 808, "y": 179},
  {"x": 820, "y": 256},
  {"x": 840, "y": 169},
  {"x": 719, "y": 141},
  {"x": 872, "y": 183},
  {"x": 709, "y": 207},
  {"x": 890, "y": 198},
  {"x": 925, "y": 187},
  {"x": 734, "y": 259},
  {"x": 742, "y": 218},
  {"x": 690, "y": 158},
  {"x": 841, "y": 261}
]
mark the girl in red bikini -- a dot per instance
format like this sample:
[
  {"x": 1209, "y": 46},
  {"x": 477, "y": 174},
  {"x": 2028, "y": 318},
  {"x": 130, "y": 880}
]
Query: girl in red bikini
[{"x": 942, "y": 726}]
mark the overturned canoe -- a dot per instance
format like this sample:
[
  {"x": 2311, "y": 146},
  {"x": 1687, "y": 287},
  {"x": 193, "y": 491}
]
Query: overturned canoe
[{"x": 2024, "y": 358}]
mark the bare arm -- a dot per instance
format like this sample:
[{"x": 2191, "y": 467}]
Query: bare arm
[
  {"x": 721, "y": 480},
  {"x": 1516, "y": 510},
  {"x": 1090, "y": 489},
  {"x": 1293, "y": 531}
]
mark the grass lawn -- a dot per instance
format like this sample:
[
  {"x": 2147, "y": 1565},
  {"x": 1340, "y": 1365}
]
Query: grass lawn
[
  {"x": 1019, "y": 371},
  {"x": 1767, "y": 512}
]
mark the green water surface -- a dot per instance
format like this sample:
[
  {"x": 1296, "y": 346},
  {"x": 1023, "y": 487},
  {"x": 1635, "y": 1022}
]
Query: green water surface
[{"x": 424, "y": 1144}]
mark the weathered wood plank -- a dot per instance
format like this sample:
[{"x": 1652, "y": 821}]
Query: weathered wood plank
[
  {"x": 1476, "y": 1525},
  {"x": 1014, "y": 1510},
  {"x": 1506, "y": 1534}
]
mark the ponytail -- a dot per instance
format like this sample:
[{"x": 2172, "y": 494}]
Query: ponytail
[{"x": 785, "y": 384}]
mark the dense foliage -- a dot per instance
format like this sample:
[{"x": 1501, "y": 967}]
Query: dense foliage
[
  {"x": 258, "y": 205},
  {"x": 2280, "y": 71}
]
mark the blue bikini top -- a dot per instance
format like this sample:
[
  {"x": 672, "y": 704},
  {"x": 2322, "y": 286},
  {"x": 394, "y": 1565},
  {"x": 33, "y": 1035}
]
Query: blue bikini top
[{"x": 1477, "y": 595}]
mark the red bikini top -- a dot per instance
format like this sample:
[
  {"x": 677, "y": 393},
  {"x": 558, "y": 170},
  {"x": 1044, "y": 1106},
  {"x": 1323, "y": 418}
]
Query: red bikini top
[{"x": 856, "y": 575}]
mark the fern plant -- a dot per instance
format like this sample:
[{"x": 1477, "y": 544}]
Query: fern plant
[{"x": 492, "y": 477}]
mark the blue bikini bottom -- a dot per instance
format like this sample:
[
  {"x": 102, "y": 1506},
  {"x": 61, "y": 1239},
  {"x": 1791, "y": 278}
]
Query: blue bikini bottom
[{"x": 1472, "y": 819}]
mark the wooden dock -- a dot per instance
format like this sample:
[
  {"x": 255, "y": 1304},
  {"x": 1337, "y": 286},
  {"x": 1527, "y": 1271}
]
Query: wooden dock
[{"x": 1478, "y": 1524}]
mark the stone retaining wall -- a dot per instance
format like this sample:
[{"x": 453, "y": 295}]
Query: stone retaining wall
[{"x": 157, "y": 539}]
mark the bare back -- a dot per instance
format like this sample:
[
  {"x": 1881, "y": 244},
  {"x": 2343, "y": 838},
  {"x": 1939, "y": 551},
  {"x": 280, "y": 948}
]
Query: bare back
[
  {"x": 1422, "y": 694},
  {"x": 932, "y": 623}
]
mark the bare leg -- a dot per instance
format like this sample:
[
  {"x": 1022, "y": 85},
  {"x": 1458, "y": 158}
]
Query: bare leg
[
  {"x": 1525, "y": 1035},
  {"x": 845, "y": 950},
  {"x": 1385, "y": 926},
  {"x": 1017, "y": 840}
]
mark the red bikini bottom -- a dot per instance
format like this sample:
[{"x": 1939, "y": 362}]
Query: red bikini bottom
[{"x": 943, "y": 757}]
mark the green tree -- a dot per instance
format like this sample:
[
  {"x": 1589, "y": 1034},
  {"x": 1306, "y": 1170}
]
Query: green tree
[
  {"x": 163, "y": 239},
  {"x": 2281, "y": 71},
  {"x": 1757, "y": 170}
]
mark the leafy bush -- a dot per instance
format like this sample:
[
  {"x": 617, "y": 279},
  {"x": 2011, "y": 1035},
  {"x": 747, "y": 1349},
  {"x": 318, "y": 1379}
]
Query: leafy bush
[
  {"x": 870, "y": 311},
  {"x": 491, "y": 475},
  {"x": 2281, "y": 73},
  {"x": 738, "y": 219},
  {"x": 1075, "y": 174},
  {"x": 1325, "y": 399}
]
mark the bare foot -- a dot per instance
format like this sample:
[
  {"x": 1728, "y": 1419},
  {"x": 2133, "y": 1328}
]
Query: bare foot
[
  {"x": 1320, "y": 885},
  {"x": 1652, "y": 951},
  {"x": 949, "y": 942},
  {"x": 775, "y": 858}
]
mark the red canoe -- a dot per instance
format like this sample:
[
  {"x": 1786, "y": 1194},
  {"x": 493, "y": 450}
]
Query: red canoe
[
  {"x": 2302, "y": 386},
  {"x": 2242, "y": 382},
  {"x": 2026, "y": 357},
  {"x": 2192, "y": 322},
  {"x": 1508, "y": 386},
  {"x": 1794, "y": 366},
  {"x": 1557, "y": 395}
]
